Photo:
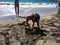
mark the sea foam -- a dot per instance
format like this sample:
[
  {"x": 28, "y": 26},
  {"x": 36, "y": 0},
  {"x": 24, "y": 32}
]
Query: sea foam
[
  {"x": 31, "y": 4},
  {"x": 7, "y": 8}
]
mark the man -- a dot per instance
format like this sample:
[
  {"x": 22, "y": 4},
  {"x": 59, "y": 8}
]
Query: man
[
  {"x": 34, "y": 18},
  {"x": 17, "y": 8}
]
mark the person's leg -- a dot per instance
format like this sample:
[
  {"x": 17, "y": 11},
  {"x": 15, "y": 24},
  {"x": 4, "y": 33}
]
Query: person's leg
[
  {"x": 27, "y": 19},
  {"x": 38, "y": 24},
  {"x": 33, "y": 24},
  {"x": 17, "y": 10},
  {"x": 27, "y": 22},
  {"x": 37, "y": 20}
]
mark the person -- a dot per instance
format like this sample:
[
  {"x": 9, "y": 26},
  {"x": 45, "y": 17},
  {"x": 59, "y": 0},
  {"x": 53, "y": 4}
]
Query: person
[
  {"x": 34, "y": 18},
  {"x": 17, "y": 8},
  {"x": 37, "y": 18},
  {"x": 58, "y": 6}
]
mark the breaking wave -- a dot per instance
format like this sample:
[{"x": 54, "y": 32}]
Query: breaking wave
[{"x": 7, "y": 8}]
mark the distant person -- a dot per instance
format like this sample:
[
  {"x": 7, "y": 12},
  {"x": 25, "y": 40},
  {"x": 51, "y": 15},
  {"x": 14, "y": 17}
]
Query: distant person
[
  {"x": 58, "y": 6},
  {"x": 34, "y": 18},
  {"x": 17, "y": 8}
]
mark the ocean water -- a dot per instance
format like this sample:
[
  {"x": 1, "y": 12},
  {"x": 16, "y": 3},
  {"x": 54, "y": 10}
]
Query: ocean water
[
  {"x": 33, "y": 1},
  {"x": 27, "y": 6}
]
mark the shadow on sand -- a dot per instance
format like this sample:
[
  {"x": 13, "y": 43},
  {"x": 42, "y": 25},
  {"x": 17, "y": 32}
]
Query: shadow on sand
[{"x": 37, "y": 31}]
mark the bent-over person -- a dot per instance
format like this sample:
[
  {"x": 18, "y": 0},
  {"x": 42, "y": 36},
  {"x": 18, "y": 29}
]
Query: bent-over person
[{"x": 34, "y": 18}]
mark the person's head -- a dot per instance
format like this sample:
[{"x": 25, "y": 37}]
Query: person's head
[{"x": 30, "y": 22}]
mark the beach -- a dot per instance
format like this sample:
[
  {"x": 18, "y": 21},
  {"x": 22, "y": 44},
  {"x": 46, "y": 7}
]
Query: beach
[{"x": 13, "y": 32}]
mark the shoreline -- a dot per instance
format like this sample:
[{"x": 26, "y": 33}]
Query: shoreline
[
  {"x": 27, "y": 11},
  {"x": 13, "y": 20},
  {"x": 13, "y": 16}
]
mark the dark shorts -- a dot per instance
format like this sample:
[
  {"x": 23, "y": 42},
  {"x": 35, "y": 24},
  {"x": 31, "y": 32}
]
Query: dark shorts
[
  {"x": 37, "y": 19},
  {"x": 16, "y": 2}
]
